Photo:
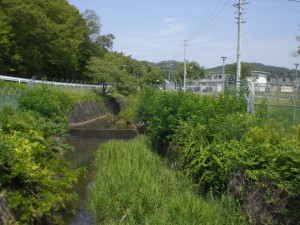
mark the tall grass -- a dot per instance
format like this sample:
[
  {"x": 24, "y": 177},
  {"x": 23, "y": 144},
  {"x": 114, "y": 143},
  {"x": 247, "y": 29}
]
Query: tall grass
[{"x": 132, "y": 185}]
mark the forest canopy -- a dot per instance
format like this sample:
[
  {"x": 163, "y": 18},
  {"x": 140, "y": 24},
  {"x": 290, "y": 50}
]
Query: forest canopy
[{"x": 43, "y": 38}]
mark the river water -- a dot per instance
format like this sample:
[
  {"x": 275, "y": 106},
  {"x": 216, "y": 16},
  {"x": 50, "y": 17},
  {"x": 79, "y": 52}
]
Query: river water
[
  {"x": 85, "y": 150},
  {"x": 83, "y": 156}
]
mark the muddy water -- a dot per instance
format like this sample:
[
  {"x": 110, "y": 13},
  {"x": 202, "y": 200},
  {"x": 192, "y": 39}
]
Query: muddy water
[
  {"x": 85, "y": 150},
  {"x": 83, "y": 156}
]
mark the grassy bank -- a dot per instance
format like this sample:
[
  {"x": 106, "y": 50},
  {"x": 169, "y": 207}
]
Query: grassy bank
[{"x": 132, "y": 185}]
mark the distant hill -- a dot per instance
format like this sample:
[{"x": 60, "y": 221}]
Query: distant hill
[
  {"x": 273, "y": 70},
  {"x": 281, "y": 71},
  {"x": 165, "y": 65}
]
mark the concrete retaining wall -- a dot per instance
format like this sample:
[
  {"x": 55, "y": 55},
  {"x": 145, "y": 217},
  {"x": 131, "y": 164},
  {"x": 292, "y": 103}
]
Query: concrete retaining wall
[{"x": 85, "y": 111}]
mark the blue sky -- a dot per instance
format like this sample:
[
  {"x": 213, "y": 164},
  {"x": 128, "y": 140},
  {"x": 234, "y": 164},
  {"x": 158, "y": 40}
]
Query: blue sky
[{"x": 154, "y": 30}]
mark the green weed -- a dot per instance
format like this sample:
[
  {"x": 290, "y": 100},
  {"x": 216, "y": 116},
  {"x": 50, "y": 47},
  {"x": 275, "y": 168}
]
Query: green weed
[{"x": 132, "y": 185}]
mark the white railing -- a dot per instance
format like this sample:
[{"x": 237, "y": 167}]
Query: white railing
[{"x": 55, "y": 83}]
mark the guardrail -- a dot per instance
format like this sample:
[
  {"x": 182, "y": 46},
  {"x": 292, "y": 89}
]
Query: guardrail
[{"x": 54, "y": 83}]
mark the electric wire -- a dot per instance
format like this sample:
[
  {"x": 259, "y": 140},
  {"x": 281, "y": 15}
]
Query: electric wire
[{"x": 211, "y": 24}]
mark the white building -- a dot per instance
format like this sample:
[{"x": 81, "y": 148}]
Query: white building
[
  {"x": 260, "y": 80},
  {"x": 214, "y": 83}
]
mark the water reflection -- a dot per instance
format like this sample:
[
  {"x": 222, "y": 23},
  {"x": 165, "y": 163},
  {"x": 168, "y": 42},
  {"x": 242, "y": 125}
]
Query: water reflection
[{"x": 85, "y": 150}]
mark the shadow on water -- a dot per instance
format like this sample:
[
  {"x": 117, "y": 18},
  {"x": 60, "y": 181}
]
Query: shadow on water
[
  {"x": 86, "y": 141},
  {"x": 85, "y": 151}
]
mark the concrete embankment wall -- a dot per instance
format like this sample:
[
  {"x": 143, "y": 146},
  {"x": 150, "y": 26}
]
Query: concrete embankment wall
[{"x": 88, "y": 111}]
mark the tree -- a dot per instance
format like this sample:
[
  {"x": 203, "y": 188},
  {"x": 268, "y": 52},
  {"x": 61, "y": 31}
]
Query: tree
[
  {"x": 111, "y": 72},
  {"x": 44, "y": 38},
  {"x": 94, "y": 27},
  {"x": 245, "y": 69},
  {"x": 194, "y": 71},
  {"x": 101, "y": 71},
  {"x": 153, "y": 77}
]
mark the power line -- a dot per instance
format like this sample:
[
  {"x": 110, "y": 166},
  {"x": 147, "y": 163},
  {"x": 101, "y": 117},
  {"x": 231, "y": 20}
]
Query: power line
[{"x": 215, "y": 16}]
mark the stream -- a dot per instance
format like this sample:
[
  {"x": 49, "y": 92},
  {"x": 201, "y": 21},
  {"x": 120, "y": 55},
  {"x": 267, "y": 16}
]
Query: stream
[
  {"x": 83, "y": 156},
  {"x": 85, "y": 151}
]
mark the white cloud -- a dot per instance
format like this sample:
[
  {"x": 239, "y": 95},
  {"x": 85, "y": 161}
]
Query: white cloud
[
  {"x": 171, "y": 19},
  {"x": 173, "y": 26}
]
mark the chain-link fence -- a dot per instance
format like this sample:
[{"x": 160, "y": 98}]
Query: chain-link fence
[
  {"x": 9, "y": 96},
  {"x": 276, "y": 101}
]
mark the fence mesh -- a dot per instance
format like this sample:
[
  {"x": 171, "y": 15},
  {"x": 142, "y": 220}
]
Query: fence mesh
[
  {"x": 276, "y": 101},
  {"x": 9, "y": 96}
]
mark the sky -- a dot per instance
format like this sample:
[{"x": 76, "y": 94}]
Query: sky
[{"x": 155, "y": 30}]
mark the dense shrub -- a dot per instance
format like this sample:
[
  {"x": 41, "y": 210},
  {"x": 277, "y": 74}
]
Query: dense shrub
[
  {"x": 37, "y": 180},
  {"x": 163, "y": 111},
  {"x": 126, "y": 117},
  {"x": 47, "y": 101},
  {"x": 258, "y": 165},
  {"x": 222, "y": 148}
]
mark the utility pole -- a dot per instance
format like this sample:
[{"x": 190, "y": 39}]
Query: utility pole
[
  {"x": 240, "y": 8},
  {"x": 223, "y": 58},
  {"x": 223, "y": 75},
  {"x": 169, "y": 74},
  {"x": 296, "y": 82},
  {"x": 184, "y": 72},
  {"x": 295, "y": 95}
]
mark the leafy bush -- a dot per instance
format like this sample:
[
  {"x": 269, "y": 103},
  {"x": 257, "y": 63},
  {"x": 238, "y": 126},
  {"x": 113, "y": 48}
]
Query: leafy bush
[
  {"x": 222, "y": 148},
  {"x": 259, "y": 166},
  {"x": 47, "y": 101},
  {"x": 127, "y": 113},
  {"x": 163, "y": 111},
  {"x": 37, "y": 180}
]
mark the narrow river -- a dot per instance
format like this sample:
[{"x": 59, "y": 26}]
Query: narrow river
[
  {"x": 83, "y": 156},
  {"x": 85, "y": 150}
]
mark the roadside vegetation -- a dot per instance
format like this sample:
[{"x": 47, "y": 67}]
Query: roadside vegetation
[{"x": 133, "y": 185}]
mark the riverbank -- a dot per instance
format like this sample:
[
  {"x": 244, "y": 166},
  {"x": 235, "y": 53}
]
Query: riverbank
[{"x": 133, "y": 185}]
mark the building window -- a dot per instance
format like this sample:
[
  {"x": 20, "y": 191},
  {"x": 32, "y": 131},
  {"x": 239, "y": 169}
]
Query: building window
[
  {"x": 220, "y": 76},
  {"x": 283, "y": 79},
  {"x": 291, "y": 79}
]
